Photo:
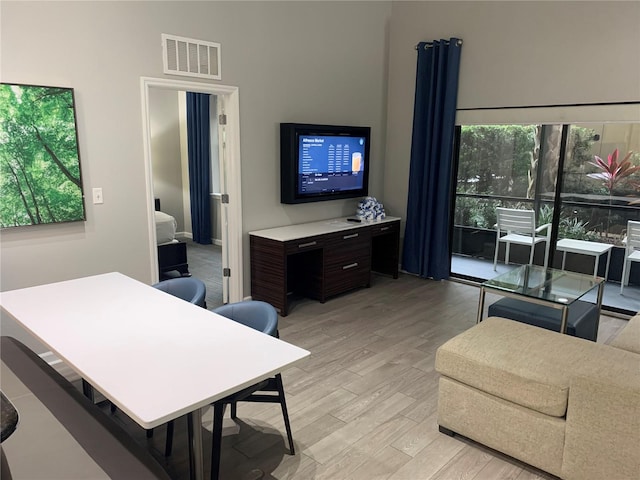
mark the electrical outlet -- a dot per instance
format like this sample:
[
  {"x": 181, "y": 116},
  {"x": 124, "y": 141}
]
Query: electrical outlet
[{"x": 97, "y": 196}]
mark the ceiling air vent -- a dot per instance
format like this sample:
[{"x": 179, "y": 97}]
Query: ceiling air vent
[{"x": 191, "y": 58}]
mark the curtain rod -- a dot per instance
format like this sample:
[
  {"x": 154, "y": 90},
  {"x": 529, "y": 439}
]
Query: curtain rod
[
  {"x": 553, "y": 105},
  {"x": 446, "y": 42}
]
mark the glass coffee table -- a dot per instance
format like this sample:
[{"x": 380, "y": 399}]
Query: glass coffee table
[{"x": 549, "y": 287}]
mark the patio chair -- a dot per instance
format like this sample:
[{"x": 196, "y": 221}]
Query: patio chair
[
  {"x": 631, "y": 252},
  {"x": 519, "y": 227}
]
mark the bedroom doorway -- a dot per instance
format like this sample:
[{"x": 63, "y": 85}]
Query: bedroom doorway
[{"x": 226, "y": 252}]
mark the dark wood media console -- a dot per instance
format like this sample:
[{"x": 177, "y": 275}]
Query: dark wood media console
[
  {"x": 172, "y": 257},
  {"x": 321, "y": 259}
]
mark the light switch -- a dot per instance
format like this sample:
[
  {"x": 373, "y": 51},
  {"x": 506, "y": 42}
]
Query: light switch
[{"x": 97, "y": 196}]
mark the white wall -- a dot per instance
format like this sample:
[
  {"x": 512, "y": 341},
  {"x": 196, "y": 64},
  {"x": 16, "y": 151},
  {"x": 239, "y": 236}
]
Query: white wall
[
  {"x": 306, "y": 61},
  {"x": 165, "y": 152},
  {"x": 319, "y": 62},
  {"x": 514, "y": 54}
]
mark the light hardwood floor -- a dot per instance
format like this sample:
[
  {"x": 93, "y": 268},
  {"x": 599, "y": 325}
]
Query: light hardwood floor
[
  {"x": 205, "y": 263},
  {"x": 363, "y": 406}
]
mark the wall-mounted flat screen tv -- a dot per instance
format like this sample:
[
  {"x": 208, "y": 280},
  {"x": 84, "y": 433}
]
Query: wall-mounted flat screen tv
[
  {"x": 323, "y": 162},
  {"x": 40, "y": 179}
]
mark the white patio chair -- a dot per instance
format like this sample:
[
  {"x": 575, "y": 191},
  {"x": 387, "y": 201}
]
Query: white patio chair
[
  {"x": 519, "y": 227},
  {"x": 631, "y": 252}
]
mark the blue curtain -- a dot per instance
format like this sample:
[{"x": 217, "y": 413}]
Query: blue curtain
[
  {"x": 199, "y": 144},
  {"x": 426, "y": 249}
]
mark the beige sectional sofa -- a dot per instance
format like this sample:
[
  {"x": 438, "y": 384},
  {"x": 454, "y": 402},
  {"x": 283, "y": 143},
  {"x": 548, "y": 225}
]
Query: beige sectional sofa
[{"x": 568, "y": 406}]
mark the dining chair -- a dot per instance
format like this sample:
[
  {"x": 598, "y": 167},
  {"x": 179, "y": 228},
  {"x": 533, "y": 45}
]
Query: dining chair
[
  {"x": 263, "y": 317},
  {"x": 190, "y": 289},
  {"x": 9, "y": 419},
  {"x": 631, "y": 252},
  {"x": 519, "y": 227}
]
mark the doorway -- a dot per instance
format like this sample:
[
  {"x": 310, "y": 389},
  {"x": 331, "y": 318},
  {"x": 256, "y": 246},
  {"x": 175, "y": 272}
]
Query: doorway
[{"x": 230, "y": 212}]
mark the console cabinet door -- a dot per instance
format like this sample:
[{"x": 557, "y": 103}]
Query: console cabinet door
[
  {"x": 385, "y": 247},
  {"x": 269, "y": 272},
  {"x": 347, "y": 261},
  {"x": 304, "y": 266}
]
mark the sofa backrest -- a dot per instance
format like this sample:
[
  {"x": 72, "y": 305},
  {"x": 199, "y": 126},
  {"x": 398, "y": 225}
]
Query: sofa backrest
[{"x": 629, "y": 338}]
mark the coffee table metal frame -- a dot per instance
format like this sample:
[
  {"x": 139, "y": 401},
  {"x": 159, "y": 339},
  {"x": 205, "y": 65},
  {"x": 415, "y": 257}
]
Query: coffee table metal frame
[{"x": 525, "y": 293}]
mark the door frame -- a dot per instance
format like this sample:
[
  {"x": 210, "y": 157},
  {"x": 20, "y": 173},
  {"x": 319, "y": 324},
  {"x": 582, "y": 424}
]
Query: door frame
[{"x": 232, "y": 211}]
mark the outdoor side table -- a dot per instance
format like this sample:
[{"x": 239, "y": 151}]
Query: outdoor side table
[{"x": 595, "y": 249}]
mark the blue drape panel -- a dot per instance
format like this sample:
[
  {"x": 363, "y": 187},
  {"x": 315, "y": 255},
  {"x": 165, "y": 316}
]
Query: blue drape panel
[
  {"x": 426, "y": 249},
  {"x": 199, "y": 145}
]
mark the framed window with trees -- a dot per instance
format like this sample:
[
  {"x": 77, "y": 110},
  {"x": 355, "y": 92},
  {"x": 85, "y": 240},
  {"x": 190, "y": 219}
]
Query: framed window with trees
[{"x": 40, "y": 178}]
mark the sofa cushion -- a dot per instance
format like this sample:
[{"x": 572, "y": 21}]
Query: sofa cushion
[
  {"x": 629, "y": 337},
  {"x": 527, "y": 365},
  {"x": 602, "y": 439}
]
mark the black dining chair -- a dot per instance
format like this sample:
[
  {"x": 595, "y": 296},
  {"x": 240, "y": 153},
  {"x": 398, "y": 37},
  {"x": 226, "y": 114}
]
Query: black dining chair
[
  {"x": 190, "y": 289},
  {"x": 9, "y": 421},
  {"x": 263, "y": 317}
]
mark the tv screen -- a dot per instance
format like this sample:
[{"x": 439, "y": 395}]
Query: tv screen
[{"x": 323, "y": 162}]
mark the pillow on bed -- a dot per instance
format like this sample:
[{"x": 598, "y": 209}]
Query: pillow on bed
[{"x": 165, "y": 228}]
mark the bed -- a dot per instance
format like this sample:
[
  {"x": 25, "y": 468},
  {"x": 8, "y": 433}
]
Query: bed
[
  {"x": 172, "y": 253},
  {"x": 165, "y": 228}
]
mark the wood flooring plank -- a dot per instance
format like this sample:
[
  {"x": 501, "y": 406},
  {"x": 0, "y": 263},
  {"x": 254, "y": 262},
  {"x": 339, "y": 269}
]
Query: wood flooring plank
[
  {"x": 364, "y": 403},
  {"x": 382, "y": 466},
  {"x": 416, "y": 439},
  {"x": 427, "y": 362},
  {"x": 430, "y": 459},
  {"x": 498, "y": 468},
  {"x": 528, "y": 473},
  {"x": 365, "y": 449},
  {"x": 464, "y": 466},
  {"x": 305, "y": 385},
  {"x": 405, "y": 379},
  {"x": 317, "y": 430},
  {"x": 607, "y": 330},
  {"x": 422, "y": 387},
  {"x": 302, "y": 414},
  {"x": 295, "y": 467},
  {"x": 423, "y": 409},
  {"x": 328, "y": 365},
  {"x": 395, "y": 353},
  {"x": 356, "y": 429},
  {"x": 257, "y": 436}
]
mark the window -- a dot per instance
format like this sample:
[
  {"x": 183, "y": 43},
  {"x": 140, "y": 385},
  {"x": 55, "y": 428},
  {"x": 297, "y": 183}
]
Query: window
[{"x": 547, "y": 168}]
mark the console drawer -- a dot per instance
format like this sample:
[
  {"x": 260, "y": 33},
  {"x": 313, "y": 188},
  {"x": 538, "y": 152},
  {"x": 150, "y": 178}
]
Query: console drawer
[
  {"x": 347, "y": 275},
  {"x": 304, "y": 244},
  {"x": 385, "y": 245},
  {"x": 385, "y": 228},
  {"x": 346, "y": 247}
]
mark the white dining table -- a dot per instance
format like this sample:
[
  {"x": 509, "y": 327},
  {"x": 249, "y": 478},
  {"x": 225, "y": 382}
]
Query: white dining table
[{"x": 154, "y": 356}]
